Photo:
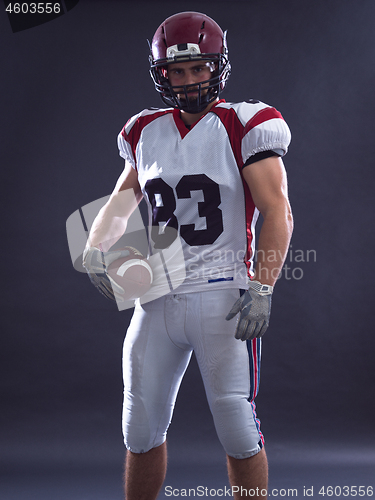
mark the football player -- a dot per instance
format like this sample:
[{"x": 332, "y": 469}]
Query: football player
[{"x": 206, "y": 168}]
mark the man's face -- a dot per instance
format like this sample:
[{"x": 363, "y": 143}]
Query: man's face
[{"x": 189, "y": 73}]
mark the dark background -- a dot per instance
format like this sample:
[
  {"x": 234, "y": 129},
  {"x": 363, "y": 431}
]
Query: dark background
[{"x": 67, "y": 88}]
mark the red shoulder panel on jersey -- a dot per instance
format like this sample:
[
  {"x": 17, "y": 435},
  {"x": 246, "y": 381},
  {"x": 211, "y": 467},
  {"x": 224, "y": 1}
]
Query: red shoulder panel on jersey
[
  {"x": 234, "y": 129},
  {"x": 133, "y": 135},
  {"x": 262, "y": 116}
]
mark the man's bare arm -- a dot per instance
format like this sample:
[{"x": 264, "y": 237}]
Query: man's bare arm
[
  {"x": 110, "y": 223},
  {"x": 267, "y": 182}
]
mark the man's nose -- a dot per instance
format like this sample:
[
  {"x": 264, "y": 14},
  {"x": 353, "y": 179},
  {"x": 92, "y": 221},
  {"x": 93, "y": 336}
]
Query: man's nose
[{"x": 190, "y": 78}]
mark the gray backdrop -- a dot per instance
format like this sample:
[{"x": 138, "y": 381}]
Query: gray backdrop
[{"x": 67, "y": 88}]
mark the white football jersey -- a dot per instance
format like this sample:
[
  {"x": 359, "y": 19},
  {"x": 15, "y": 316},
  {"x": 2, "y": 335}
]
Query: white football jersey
[{"x": 192, "y": 182}]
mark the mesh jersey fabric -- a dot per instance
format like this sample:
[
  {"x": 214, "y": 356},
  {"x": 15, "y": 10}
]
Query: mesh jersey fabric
[{"x": 192, "y": 183}]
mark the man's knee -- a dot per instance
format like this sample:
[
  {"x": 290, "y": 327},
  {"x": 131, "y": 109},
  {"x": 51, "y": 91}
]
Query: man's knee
[
  {"x": 237, "y": 426},
  {"x": 140, "y": 428},
  {"x": 140, "y": 437},
  {"x": 141, "y": 442}
]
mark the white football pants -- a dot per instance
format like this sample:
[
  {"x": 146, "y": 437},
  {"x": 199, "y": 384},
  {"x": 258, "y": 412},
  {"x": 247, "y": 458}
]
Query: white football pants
[{"x": 157, "y": 349}]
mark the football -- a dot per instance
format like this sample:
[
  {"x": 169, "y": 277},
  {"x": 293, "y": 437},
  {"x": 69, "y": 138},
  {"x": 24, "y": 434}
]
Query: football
[{"x": 133, "y": 273}]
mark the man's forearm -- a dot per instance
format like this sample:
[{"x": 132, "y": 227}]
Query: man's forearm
[
  {"x": 273, "y": 246},
  {"x": 105, "y": 231},
  {"x": 111, "y": 221}
]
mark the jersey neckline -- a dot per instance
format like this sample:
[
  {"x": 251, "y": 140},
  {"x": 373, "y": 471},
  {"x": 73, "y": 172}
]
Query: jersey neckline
[{"x": 180, "y": 124}]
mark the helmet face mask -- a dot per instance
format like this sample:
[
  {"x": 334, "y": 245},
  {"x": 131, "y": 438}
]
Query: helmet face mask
[{"x": 184, "y": 37}]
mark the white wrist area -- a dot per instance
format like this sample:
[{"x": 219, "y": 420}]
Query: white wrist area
[{"x": 261, "y": 289}]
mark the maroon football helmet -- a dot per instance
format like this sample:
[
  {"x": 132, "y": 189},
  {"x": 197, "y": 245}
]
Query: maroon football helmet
[{"x": 189, "y": 36}]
